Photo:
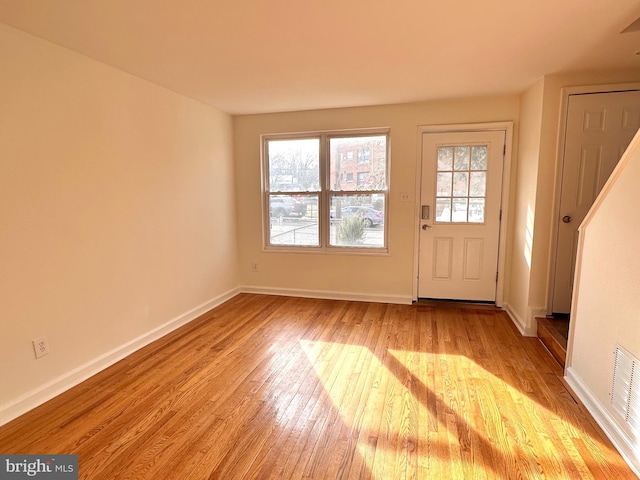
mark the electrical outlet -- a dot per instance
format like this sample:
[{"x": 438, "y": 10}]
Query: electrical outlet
[
  {"x": 405, "y": 197},
  {"x": 254, "y": 267},
  {"x": 40, "y": 346}
]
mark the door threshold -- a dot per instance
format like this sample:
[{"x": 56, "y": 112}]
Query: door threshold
[{"x": 446, "y": 303}]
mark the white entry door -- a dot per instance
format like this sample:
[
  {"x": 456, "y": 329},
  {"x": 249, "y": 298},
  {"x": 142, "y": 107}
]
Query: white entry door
[
  {"x": 460, "y": 215},
  {"x": 598, "y": 130}
]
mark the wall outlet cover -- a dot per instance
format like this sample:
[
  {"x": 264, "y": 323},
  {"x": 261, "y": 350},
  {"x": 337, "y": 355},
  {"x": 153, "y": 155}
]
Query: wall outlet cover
[{"x": 40, "y": 346}]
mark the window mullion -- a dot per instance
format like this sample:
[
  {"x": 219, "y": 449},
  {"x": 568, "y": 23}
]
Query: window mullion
[
  {"x": 265, "y": 193},
  {"x": 324, "y": 192}
]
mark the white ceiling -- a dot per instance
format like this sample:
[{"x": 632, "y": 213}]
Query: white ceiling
[{"x": 255, "y": 56}]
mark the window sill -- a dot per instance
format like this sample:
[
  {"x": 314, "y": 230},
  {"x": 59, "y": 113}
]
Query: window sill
[{"x": 366, "y": 251}]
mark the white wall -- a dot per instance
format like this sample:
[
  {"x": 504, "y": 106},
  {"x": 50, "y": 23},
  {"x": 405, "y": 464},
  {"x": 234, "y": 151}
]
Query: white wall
[
  {"x": 355, "y": 276},
  {"x": 549, "y": 170},
  {"x": 538, "y": 174},
  {"x": 116, "y": 214},
  {"x": 524, "y": 203},
  {"x": 605, "y": 309}
]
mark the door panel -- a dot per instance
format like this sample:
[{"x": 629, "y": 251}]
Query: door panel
[
  {"x": 599, "y": 129},
  {"x": 473, "y": 256},
  {"x": 462, "y": 185},
  {"x": 442, "y": 258}
]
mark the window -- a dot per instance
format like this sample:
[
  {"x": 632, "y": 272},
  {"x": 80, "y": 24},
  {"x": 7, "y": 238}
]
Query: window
[
  {"x": 461, "y": 184},
  {"x": 310, "y": 199},
  {"x": 364, "y": 154}
]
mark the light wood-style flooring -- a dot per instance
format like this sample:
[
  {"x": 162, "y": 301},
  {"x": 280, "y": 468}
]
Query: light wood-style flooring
[{"x": 292, "y": 388}]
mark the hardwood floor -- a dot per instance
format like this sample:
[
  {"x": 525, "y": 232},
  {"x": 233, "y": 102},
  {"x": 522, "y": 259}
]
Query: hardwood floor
[{"x": 292, "y": 388}]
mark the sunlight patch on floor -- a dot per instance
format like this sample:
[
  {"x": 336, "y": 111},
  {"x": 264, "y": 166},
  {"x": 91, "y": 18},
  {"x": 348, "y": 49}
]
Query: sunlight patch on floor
[{"x": 426, "y": 412}]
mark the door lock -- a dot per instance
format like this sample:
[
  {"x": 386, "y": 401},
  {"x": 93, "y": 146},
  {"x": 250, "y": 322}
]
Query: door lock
[{"x": 567, "y": 219}]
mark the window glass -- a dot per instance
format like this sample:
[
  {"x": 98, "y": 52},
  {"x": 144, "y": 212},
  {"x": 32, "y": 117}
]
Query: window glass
[
  {"x": 293, "y": 220},
  {"x": 331, "y": 202},
  {"x": 461, "y": 183},
  {"x": 357, "y": 220},
  {"x": 294, "y": 165},
  {"x": 370, "y": 169}
]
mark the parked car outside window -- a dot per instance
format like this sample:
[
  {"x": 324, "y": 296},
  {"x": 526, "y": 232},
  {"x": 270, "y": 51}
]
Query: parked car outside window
[
  {"x": 286, "y": 207},
  {"x": 370, "y": 216}
]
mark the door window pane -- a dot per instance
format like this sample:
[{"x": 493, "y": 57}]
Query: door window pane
[
  {"x": 461, "y": 159},
  {"x": 445, "y": 158},
  {"x": 459, "y": 213},
  {"x": 443, "y": 210},
  {"x": 461, "y": 183},
  {"x": 476, "y": 210},
  {"x": 479, "y": 157},
  {"x": 444, "y": 184},
  {"x": 478, "y": 184}
]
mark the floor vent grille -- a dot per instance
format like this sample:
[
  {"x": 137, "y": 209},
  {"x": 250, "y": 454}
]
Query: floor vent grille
[{"x": 625, "y": 391}]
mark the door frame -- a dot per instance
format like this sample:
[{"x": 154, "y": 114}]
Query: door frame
[
  {"x": 507, "y": 128},
  {"x": 566, "y": 92}
]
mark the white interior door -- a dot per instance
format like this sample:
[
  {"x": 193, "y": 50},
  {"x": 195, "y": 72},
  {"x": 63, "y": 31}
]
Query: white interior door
[
  {"x": 599, "y": 128},
  {"x": 460, "y": 216}
]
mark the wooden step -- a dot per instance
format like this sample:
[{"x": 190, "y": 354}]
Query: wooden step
[{"x": 549, "y": 333}]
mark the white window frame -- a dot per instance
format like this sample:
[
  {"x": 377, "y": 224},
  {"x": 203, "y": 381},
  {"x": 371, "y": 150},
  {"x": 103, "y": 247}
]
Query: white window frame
[{"x": 324, "y": 194}]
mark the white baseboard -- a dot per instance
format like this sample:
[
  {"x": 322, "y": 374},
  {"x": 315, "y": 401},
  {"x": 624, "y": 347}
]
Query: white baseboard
[
  {"x": 628, "y": 447},
  {"x": 528, "y": 328},
  {"x": 43, "y": 393},
  {"x": 329, "y": 295},
  {"x": 516, "y": 319},
  {"x": 534, "y": 314}
]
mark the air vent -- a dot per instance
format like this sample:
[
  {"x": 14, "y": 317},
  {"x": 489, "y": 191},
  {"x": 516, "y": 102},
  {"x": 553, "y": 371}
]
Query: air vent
[{"x": 625, "y": 391}]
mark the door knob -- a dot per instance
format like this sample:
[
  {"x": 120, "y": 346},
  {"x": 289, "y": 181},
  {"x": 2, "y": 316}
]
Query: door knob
[
  {"x": 566, "y": 219},
  {"x": 426, "y": 227}
]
